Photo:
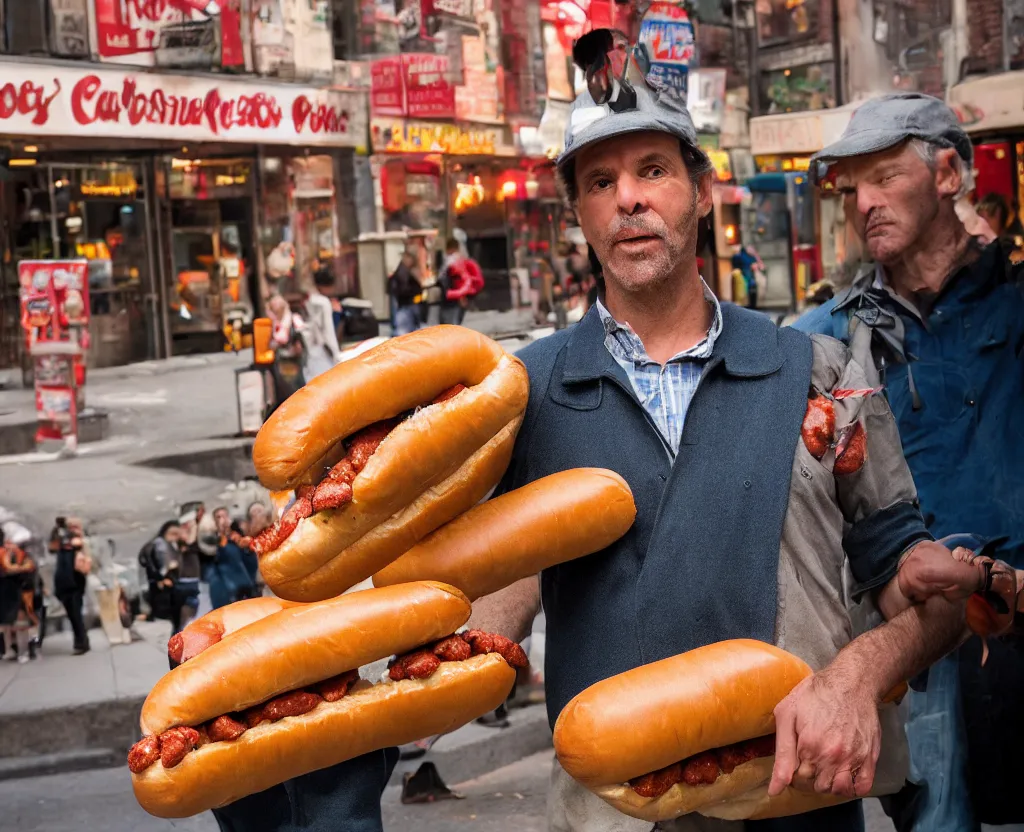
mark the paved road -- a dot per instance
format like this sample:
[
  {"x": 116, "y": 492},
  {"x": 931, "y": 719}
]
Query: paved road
[{"x": 511, "y": 798}]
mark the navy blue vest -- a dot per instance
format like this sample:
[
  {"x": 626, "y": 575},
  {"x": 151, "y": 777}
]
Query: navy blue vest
[{"x": 700, "y": 564}]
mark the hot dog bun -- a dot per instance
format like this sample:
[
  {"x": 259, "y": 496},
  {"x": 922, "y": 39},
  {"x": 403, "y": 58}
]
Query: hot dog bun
[
  {"x": 550, "y": 521},
  {"x": 457, "y": 494},
  {"x": 757, "y": 805},
  {"x": 659, "y": 714},
  {"x": 430, "y": 452},
  {"x": 386, "y": 714},
  {"x": 218, "y": 624},
  {"x": 301, "y": 645}
]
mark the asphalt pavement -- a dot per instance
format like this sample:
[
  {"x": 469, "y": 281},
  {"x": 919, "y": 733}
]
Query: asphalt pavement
[{"x": 511, "y": 798}]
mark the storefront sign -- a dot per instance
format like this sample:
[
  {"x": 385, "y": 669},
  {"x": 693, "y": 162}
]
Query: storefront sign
[
  {"x": 428, "y": 91},
  {"x": 995, "y": 102},
  {"x": 419, "y": 137},
  {"x": 201, "y": 33},
  {"x": 476, "y": 98},
  {"x": 387, "y": 90},
  {"x": 706, "y": 99},
  {"x": 58, "y": 101},
  {"x": 667, "y": 32},
  {"x": 785, "y": 134}
]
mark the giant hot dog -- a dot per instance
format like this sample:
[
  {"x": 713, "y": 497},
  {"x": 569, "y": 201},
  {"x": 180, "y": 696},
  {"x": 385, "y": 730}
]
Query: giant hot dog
[
  {"x": 549, "y": 521},
  {"x": 682, "y": 734},
  {"x": 380, "y": 451},
  {"x": 282, "y": 696},
  {"x": 691, "y": 733}
]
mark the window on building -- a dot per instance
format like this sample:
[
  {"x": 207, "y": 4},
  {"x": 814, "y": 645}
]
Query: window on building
[
  {"x": 809, "y": 87},
  {"x": 782, "y": 21}
]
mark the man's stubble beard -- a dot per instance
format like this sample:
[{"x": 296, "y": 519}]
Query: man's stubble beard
[{"x": 662, "y": 266}]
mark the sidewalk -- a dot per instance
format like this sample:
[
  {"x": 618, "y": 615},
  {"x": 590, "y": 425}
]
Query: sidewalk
[{"x": 64, "y": 712}]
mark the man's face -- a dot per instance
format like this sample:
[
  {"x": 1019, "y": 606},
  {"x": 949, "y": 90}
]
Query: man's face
[
  {"x": 173, "y": 534},
  {"x": 893, "y": 198},
  {"x": 639, "y": 209},
  {"x": 223, "y": 521}
]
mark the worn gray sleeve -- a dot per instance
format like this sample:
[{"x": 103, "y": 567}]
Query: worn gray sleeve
[{"x": 878, "y": 501}]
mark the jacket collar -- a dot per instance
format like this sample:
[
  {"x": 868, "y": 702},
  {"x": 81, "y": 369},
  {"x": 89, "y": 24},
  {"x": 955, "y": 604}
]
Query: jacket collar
[{"x": 748, "y": 346}]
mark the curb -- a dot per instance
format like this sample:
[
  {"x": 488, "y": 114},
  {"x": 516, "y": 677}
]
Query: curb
[
  {"x": 473, "y": 751},
  {"x": 72, "y": 738},
  {"x": 97, "y": 736}
]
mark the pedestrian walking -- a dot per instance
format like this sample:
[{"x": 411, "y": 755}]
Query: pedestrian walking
[
  {"x": 319, "y": 336},
  {"x": 936, "y": 316},
  {"x": 69, "y": 576},
  {"x": 404, "y": 289},
  {"x": 159, "y": 558},
  {"x": 229, "y": 574},
  {"x": 286, "y": 342},
  {"x": 17, "y": 606}
]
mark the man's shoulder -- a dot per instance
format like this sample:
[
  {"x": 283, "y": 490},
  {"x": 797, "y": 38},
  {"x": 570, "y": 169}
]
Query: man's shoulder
[
  {"x": 820, "y": 320},
  {"x": 540, "y": 356}
]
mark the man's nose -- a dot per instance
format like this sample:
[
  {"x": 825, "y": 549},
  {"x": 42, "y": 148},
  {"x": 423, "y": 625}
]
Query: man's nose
[
  {"x": 867, "y": 199},
  {"x": 630, "y": 194}
]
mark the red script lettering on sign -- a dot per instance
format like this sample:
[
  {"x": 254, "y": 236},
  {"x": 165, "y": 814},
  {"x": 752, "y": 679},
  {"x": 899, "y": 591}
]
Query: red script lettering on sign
[
  {"x": 28, "y": 99},
  {"x": 91, "y": 103}
]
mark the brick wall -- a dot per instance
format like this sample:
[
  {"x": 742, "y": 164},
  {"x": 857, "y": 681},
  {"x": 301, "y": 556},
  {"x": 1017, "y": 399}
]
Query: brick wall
[{"x": 985, "y": 35}]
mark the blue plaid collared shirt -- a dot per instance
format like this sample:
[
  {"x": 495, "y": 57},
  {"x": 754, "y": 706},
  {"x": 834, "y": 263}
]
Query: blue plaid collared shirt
[{"x": 665, "y": 392}]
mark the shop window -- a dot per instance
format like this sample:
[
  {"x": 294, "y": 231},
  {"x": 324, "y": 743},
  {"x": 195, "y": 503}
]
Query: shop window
[
  {"x": 790, "y": 21},
  {"x": 413, "y": 194},
  {"x": 809, "y": 87}
]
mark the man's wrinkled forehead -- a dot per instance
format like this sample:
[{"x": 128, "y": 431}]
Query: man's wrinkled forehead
[
  {"x": 850, "y": 171},
  {"x": 623, "y": 148}
]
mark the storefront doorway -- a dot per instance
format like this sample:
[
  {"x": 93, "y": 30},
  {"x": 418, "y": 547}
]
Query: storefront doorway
[
  {"x": 210, "y": 277},
  {"x": 95, "y": 211}
]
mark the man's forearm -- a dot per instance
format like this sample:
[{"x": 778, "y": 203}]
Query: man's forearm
[
  {"x": 508, "y": 612},
  {"x": 901, "y": 648}
]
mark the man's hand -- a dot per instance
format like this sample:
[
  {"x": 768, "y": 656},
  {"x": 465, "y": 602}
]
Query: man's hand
[
  {"x": 930, "y": 569},
  {"x": 828, "y": 737}
]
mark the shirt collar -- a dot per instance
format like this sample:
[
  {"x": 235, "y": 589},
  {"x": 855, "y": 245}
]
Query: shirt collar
[{"x": 622, "y": 334}]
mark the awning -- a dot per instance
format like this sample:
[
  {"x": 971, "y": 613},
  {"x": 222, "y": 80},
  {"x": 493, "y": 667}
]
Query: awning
[{"x": 994, "y": 102}]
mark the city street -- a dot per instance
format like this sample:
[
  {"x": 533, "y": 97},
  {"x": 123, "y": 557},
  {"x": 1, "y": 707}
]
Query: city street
[{"x": 511, "y": 798}]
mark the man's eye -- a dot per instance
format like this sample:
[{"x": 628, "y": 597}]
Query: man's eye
[
  {"x": 601, "y": 184},
  {"x": 889, "y": 177},
  {"x": 656, "y": 172}
]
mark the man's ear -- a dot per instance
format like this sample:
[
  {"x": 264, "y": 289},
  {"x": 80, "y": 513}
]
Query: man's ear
[
  {"x": 704, "y": 199},
  {"x": 948, "y": 177}
]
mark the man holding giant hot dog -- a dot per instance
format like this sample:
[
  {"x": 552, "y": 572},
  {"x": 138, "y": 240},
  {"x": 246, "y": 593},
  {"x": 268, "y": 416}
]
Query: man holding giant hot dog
[{"x": 771, "y": 491}]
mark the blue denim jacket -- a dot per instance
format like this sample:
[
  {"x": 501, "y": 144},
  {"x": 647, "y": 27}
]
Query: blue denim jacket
[{"x": 954, "y": 377}]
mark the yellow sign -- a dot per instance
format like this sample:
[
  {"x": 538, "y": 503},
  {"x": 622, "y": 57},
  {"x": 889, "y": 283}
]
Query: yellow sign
[
  {"x": 94, "y": 189},
  {"x": 720, "y": 161},
  {"x": 425, "y": 137},
  {"x": 783, "y": 164}
]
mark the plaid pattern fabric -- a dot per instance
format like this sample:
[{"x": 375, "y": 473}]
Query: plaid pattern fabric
[{"x": 665, "y": 392}]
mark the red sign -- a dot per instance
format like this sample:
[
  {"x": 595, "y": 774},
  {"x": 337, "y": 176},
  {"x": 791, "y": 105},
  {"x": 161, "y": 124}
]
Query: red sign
[
  {"x": 428, "y": 92},
  {"x": 101, "y": 102},
  {"x": 138, "y": 29},
  {"x": 387, "y": 90}
]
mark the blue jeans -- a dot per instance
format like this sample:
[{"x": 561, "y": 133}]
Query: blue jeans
[
  {"x": 346, "y": 796},
  {"x": 938, "y": 753},
  {"x": 407, "y": 319}
]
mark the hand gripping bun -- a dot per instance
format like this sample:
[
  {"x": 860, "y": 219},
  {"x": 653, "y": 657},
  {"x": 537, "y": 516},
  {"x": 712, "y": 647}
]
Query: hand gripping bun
[
  {"x": 299, "y": 646},
  {"x": 425, "y": 471},
  {"x": 550, "y": 521},
  {"x": 654, "y": 716}
]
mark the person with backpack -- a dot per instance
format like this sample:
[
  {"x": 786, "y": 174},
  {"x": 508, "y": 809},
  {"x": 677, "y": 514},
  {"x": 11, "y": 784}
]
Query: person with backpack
[
  {"x": 461, "y": 279},
  {"x": 936, "y": 319},
  {"x": 159, "y": 558},
  {"x": 289, "y": 349}
]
